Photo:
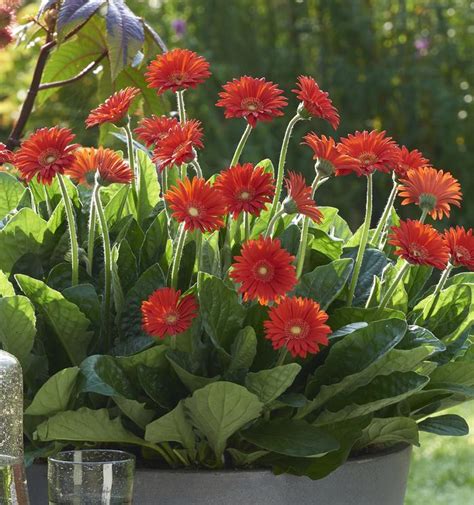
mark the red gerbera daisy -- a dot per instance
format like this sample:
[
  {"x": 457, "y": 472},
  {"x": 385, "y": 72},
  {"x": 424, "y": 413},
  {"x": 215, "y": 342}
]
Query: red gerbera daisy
[
  {"x": 45, "y": 153},
  {"x": 461, "y": 246},
  {"x": 409, "y": 160},
  {"x": 6, "y": 156},
  {"x": 373, "y": 149},
  {"x": 299, "y": 199},
  {"x": 245, "y": 188},
  {"x": 419, "y": 244},
  {"x": 166, "y": 313},
  {"x": 299, "y": 325},
  {"x": 433, "y": 190},
  {"x": 153, "y": 129},
  {"x": 264, "y": 270},
  {"x": 176, "y": 70},
  {"x": 316, "y": 102},
  {"x": 330, "y": 159},
  {"x": 196, "y": 204},
  {"x": 253, "y": 99},
  {"x": 178, "y": 145},
  {"x": 111, "y": 167},
  {"x": 114, "y": 109}
]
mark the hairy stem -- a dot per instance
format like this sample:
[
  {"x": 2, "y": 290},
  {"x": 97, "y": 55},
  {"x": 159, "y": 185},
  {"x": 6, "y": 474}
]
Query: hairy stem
[
  {"x": 178, "y": 253},
  {"x": 389, "y": 293},
  {"x": 241, "y": 145},
  {"x": 272, "y": 222},
  {"x": 379, "y": 234},
  {"x": 72, "y": 230},
  {"x": 91, "y": 238}
]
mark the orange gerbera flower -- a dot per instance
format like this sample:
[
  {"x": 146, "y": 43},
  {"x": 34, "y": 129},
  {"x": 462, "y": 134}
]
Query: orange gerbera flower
[
  {"x": 153, "y": 129},
  {"x": 196, "y": 204},
  {"x": 166, "y": 312},
  {"x": 316, "y": 102},
  {"x": 409, "y": 160},
  {"x": 6, "y": 156},
  {"x": 264, "y": 270},
  {"x": 330, "y": 158},
  {"x": 245, "y": 188},
  {"x": 178, "y": 145},
  {"x": 299, "y": 199},
  {"x": 432, "y": 190},
  {"x": 299, "y": 325},
  {"x": 253, "y": 99},
  {"x": 177, "y": 70},
  {"x": 419, "y": 244},
  {"x": 45, "y": 153},
  {"x": 110, "y": 166},
  {"x": 114, "y": 109},
  {"x": 461, "y": 246},
  {"x": 373, "y": 149}
]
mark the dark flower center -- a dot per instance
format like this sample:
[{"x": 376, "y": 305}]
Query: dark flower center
[
  {"x": 417, "y": 251},
  {"x": 263, "y": 271},
  {"x": 251, "y": 104},
  {"x": 296, "y": 329},
  {"x": 49, "y": 156}
]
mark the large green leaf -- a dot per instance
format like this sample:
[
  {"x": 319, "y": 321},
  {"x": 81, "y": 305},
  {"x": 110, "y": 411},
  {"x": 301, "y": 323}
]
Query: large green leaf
[
  {"x": 55, "y": 394},
  {"x": 243, "y": 350},
  {"x": 291, "y": 437},
  {"x": 17, "y": 326},
  {"x": 219, "y": 410},
  {"x": 222, "y": 314},
  {"x": 86, "y": 298},
  {"x": 449, "y": 425},
  {"x": 268, "y": 385},
  {"x": 135, "y": 411},
  {"x": 122, "y": 199},
  {"x": 348, "y": 315},
  {"x": 154, "y": 245},
  {"x": 325, "y": 283},
  {"x": 149, "y": 188},
  {"x": 210, "y": 255},
  {"x": 11, "y": 192},
  {"x": 191, "y": 381},
  {"x": 389, "y": 430},
  {"x": 69, "y": 324},
  {"x": 334, "y": 224},
  {"x": 320, "y": 242},
  {"x": 6, "y": 287}
]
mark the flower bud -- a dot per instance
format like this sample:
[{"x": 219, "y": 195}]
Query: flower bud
[{"x": 427, "y": 202}]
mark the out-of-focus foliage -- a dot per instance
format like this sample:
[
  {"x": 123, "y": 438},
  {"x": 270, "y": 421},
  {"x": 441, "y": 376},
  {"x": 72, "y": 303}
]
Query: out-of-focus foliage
[{"x": 401, "y": 65}]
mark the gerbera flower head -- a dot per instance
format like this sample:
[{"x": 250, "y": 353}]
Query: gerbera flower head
[
  {"x": 409, "y": 160},
  {"x": 315, "y": 102},
  {"x": 177, "y": 70},
  {"x": 461, "y": 246},
  {"x": 330, "y": 159},
  {"x": 374, "y": 150},
  {"x": 432, "y": 190},
  {"x": 419, "y": 244},
  {"x": 299, "y": 325},
  {"x": 179, "y": 144},
  {"x": 299, "y": 199},
  {"x": 6, "y": 156},
  {"x": 152, "y": 129},
  {"x": 114, "y": 109},
  {"x": 253, "y": 99},
  {"x": 45, "y": 153},
  {"x": 196, "y": 204},
  {"x": 264, "y": 269},
  {"x": 111, "y": 168},
  {"x": 167, "y": 313},
  {"x": 245, "y": 188}
]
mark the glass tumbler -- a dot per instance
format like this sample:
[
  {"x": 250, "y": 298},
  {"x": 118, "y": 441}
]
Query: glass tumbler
[{"x": 91, "y": 477}]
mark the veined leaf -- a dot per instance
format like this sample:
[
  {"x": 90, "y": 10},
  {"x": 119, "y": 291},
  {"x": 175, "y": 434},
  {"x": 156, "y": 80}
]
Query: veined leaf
[
  {"x": 389, "y": 430},
  {"x": 74, "y": 12},
  {"x": 449, "y": 425},
  {"x": 135, "y": 411},
  {"x": 11, "y": 192},
  {"x": 268, "y": 385},
  {"x": 243, "y": 350},
  {"x": 6, "y": 287}
]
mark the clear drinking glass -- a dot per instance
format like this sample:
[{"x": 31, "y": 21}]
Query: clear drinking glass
[{"x": 91, "y": 477}]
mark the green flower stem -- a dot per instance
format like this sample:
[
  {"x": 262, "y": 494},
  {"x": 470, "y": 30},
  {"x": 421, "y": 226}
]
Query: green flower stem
[
  {"x": 363, "y": 241},
  {"x": 181, "y": 107},
  {"x": 91, "y": 238},
  {"x": 304, "y": 232},
  {"x": 131, "y": 154},
  {"x": 178, "y": 253},
  {"x": 198, "y": 249},
  {"x": 122, "y": 203},
  {"x": 72, "y": 231},
  {"x": 47, "y": 201},
  {"x": 226, "y": 249},
  {"x": 442, "y": 281},
  {"x": 273, "y": 221},
  {"x": 388, "y": 295},
  {"x": 282, "y": 356},
  {"x": 32, "y": 199},
  {"x": 241, "y": 145},
  {"x": 107, "y": 303},
  {"x": 281, "y": 163},
  {"x": 246, "y": 226},
  {"x": 197, "y": 167},
  {"x": 379, "y": 234},
  {"x": 424, "y": 213}
]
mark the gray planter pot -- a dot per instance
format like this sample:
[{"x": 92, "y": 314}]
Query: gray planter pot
[{"x": 371, "y": 480}]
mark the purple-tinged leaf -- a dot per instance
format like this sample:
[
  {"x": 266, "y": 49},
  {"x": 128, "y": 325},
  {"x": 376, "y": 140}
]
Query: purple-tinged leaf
[
  {"x": 45, "y": 5},
  {"x": 74, "y": 12},
  {"x": 156, "y": 38}
]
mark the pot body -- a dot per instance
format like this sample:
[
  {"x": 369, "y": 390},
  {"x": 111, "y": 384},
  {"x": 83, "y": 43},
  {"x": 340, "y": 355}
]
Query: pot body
[{"x": 374, "y": 480}]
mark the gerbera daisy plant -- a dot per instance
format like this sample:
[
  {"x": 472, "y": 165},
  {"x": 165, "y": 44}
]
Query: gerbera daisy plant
[{"x": 188, "y": 311}]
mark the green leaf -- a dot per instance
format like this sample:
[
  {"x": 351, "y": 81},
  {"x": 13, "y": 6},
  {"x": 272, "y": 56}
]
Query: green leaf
[
  {"x": 154, "y": 245},
  {"x": 267, "y": 166},
  {"x": 126, "y": 264},
  {"x": 333, "y": 224},
  {"x": 449, "y": 425},
  {"x": 290, "y": 239},
  {"x": 149, "y": 188},
  {"x": 322, "y": 243},
  {"x": 241, "y": 458},
  {"x": 17, "y": 326},
  {"x": 243, "y": 350},
  {"x": 325, "y": 283},
  {"x": 268, "y": 385},
  {"x": 155, "y": 356},
  {"x": 122, "y": 199},
  {"x": 222, "y": 314},
  {"x": 219, "y": 410},
  {"x": 348, "y": 315},
  {"x": 172, "y": 427},
  {"x": 104, "y": 376},
  {"x": 55, "y": 394},
  {"x": 11, "y": 192},
  {"x": 389, "y": 430},
  {"x": 210, "y": 254},
  {"x": 6, "y": 287},
  {"x": 191, "y": 381},
  {"x": 135, "y": 411},
  {"x": 85, "y": 297},
  {"x": 291, "y": 437},
  {"x": 69, "y": 324}
]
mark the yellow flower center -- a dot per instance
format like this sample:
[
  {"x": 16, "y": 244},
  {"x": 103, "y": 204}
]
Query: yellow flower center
[
  {"x": 171, "y": 318},
  {"x": 251, "y": 104},
  {"x": 193, "y": 211},
  {"x": 263, "y": 271}
]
